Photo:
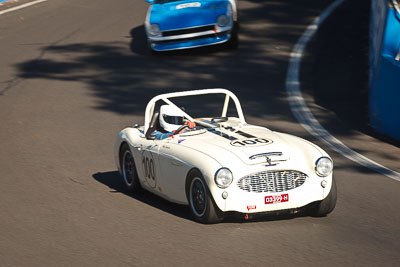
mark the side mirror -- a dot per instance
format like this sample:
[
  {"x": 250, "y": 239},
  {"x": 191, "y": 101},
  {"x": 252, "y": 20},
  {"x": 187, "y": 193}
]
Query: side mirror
[{"x": 150, "y": 1}]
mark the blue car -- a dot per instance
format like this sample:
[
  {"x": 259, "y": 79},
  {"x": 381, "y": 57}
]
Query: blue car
[{"x": 181, "y": 24}]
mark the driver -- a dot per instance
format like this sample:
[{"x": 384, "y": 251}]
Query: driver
[{"x": 171, "y": 118}]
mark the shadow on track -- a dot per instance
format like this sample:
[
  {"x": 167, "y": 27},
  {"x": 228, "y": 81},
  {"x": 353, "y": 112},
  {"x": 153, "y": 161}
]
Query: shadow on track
[
  {"x": 138, "y": 42},
  {"x": 123, "y": 80},
  {"x": 114, "y": 181}
]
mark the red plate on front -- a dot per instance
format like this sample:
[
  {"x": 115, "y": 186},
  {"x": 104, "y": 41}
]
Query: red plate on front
[{"x": 276, "y": 199}]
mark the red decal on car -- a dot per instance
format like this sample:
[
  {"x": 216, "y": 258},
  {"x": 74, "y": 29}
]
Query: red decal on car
[
  {"x": 253, "y": 207},
  {"x": 277, "y": 199}
]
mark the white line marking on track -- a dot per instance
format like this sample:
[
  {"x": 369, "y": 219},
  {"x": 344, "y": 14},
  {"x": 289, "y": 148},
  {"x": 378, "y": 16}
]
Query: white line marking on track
[
  {"x": 303, "y": 113},
  {"x": 21, "y": 6}
]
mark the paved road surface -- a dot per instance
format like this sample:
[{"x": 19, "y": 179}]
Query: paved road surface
[{"x": 73, "y": 73}]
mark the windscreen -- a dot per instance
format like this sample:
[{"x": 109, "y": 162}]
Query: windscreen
[{"x": 165, "y": 1}]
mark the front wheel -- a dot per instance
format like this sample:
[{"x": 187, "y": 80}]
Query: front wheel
[
  {"x": 233, "y": 42},
  {"x": 151, "y": 50},
  {"x": 201, "y": 203},
  {"x": 327, "y": 205},
  {"x": 128, "y": 167}
]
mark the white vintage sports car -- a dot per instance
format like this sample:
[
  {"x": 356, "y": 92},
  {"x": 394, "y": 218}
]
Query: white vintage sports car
[{"x": 222, "y": 164}]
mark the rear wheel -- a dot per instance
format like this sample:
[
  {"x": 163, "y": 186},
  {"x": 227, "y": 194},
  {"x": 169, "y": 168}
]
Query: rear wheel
[
  {"x": 128, "y": 167},
  {"x": 201, "y": 203},
  {"x": 327, "y": 205}
]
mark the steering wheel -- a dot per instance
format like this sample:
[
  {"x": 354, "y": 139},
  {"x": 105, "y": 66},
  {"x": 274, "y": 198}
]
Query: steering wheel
[{"x": 181, "y": 128}]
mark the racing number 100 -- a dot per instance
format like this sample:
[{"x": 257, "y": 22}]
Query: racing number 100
[
  {"x": 250, "y": 142},
  {"x": 148, "y": 166}
]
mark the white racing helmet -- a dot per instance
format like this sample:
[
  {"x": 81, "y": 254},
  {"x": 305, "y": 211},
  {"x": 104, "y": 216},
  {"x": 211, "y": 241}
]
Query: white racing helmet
[{"x": 171, "y": 118}]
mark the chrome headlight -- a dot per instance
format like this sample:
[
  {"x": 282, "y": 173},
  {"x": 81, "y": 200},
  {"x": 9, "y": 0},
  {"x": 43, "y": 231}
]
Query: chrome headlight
[
  {"x": 154, "y": 30},
  {"x": 223, "y": 20},
  {"x": 223, "y": 178},
  {"x": 323, "y": 166}
]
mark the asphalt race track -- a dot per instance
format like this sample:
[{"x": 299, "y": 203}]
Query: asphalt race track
[{"x": 73, "y": 73}]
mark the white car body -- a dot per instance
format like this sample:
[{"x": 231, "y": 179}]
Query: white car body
[{"x": 163, "y": 165}]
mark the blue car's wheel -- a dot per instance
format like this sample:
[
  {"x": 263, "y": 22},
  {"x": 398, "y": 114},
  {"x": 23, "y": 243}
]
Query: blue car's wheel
[
  {"x": 233, "y": 42},
  {"x": 152, "y": 51}
]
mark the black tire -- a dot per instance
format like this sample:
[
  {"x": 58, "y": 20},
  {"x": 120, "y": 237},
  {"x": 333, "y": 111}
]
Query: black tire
[
  {"x": 151, "y": 50},
  {"x": 327, "y": 205},
  {"x": 128, "y": 169},
  {"x": 233, "y": 42},
  {"x": 201, "y": 203},
  {"x": 154, "y": 52}
]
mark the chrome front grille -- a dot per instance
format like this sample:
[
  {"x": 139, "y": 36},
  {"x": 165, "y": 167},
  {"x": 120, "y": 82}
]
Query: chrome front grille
[{"x": 272, "y": 181}]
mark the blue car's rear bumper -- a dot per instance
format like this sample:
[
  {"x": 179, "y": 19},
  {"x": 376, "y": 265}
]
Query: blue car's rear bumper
[{"x": 183, "y": 44}]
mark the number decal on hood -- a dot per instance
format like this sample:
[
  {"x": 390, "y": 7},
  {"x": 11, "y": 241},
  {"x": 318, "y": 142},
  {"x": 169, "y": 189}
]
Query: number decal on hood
[
  {"x": 251, "y": 142},
  {"x": 194, "y": 4}
]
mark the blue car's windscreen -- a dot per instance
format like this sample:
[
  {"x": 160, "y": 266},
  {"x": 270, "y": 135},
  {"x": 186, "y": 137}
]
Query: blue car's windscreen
[{"x": 165, "y": 1}]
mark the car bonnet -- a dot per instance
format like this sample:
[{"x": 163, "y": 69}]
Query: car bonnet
[
  {"x": 186, "y": 14},
  {"x": 251, "y": 145}
]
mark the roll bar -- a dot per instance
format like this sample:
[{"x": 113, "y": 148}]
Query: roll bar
[{"x": 166, "y": 98}]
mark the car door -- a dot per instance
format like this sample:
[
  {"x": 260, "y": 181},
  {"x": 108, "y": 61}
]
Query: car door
[
  {"x": 151, "y": 169},
  {"x": 147, "y": 166},
  {"x": 173, "y": 170},
  {"x": 162, "y": 172}
]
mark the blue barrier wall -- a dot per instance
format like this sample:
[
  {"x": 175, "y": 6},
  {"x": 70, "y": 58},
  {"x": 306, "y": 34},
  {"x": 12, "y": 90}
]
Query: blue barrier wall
[{"x": 384, "y": 97}]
